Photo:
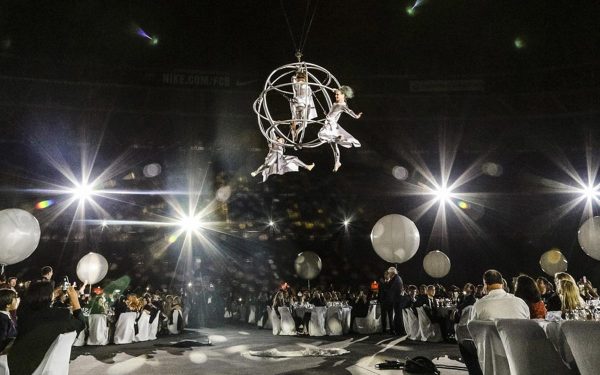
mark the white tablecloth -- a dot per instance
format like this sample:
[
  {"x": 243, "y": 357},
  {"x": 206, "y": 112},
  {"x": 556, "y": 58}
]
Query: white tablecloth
[{"x": 346, "y": 311}]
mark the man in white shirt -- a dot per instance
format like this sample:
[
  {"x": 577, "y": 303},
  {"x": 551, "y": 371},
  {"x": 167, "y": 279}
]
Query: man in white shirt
[{"x": 496, "y": 304}]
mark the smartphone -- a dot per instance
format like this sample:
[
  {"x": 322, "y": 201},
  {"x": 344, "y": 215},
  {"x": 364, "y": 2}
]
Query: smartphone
[{"x": 65, "y": 284}]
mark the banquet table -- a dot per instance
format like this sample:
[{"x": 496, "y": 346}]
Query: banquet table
[{"x": 299, "y": 312}]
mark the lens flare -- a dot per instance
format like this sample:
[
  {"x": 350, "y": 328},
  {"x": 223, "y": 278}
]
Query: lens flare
[{"x": 44, "y": 204}]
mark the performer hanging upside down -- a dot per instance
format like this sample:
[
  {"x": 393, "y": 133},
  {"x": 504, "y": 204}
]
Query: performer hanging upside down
[
  {"x": 302, "y": 104},
  {"x": 332, "y": 132},
  {"x": 278, "y": 163}
]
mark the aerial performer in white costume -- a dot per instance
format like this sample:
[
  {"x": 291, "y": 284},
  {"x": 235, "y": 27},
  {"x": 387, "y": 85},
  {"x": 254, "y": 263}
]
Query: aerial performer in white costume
[
  {"x": 332, "y": 132},
  {"x": 302, "y": 104},
  {"x": 278, "y": 163}
]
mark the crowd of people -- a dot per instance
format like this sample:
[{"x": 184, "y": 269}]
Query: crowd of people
[{"x": 34, "y": 313}]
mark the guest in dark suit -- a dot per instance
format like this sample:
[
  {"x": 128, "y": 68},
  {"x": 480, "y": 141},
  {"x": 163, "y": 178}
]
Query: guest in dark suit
[
  {"x": 395, "y": 291},
  {"x": 467, "y": 298},
  {"x": 421, "y": 298},
  {"x": 387, "y": 307},
  {"x": 8, "y": 329},
  {"x": 40, "y": 325}
]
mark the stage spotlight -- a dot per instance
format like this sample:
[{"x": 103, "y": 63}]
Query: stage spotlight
[
  {"x": 82, "y": 191},
  {"x": 346, "y": 222},
  {"x": 590, "y": 192},
  {"x": 104, "y": 224},
  {"x": 271, "y": 223},
  {"x": 443, "y": 194},
  {"x": 410, "y": 11},
  {"x": 154, "y": 41},
  {"x": 190, "y": 224}
]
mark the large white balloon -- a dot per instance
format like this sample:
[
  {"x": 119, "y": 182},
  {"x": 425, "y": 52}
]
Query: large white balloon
[
  {"x": 19, "y": 235},
  {"x": 589, "y": 237},
  {"x": 395, "y": 238},
  {"x": 308, "y": 265},
  {"x": 436, "y": 264},
  {"x": 92, "y": 268},
  {"x": 553, "y": 261}
]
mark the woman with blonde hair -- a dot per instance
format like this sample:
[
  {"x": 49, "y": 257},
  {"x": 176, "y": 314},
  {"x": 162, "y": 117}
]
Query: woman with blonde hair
[
  {"x": 332, "y": 132},
  {"x": 569, "y": 296},
  {"x": 568, "y": 292}
]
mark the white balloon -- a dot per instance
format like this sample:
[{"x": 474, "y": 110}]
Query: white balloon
[
  {"x": 395, "y": 238},
  {"x": 553, "y": 261},
  {"x": 589, "y": 237},
  {"x": 436, "y": 264},
  {"x": 19, "y": 235},
  {"x": 308, "y": 265},
  {"x": 152, "y": 170},
  {"x": 92, "y": 268},
  {"x": 223, "y": 193}
]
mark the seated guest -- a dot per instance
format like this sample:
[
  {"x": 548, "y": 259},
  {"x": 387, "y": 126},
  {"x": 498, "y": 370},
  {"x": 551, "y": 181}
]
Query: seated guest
[
  {"x": 546, "y": 290},
  {"x": 412, "y": 294},
  {"x": 569, "y": 296},
  {"x": 360, "y": 307},
  {"x": 40, "y": 325},
  {"x": 8, "y": 329},
  {"x": 316, "y": 300},
  {"x": 497, "y": 304},
  {"x": 467, "y": 298},
  {"x": 527, "y": 290},
  {"x": 479, "y": 291},
  {"x": 556, "y": 302},
  {"x": 586, "y": 289}
]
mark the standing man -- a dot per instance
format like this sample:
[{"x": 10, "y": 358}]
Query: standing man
[
  {"x": 47, "y": 273},
  {"x": 387, "y": 309},
  {"x": 395, "y": 291}
]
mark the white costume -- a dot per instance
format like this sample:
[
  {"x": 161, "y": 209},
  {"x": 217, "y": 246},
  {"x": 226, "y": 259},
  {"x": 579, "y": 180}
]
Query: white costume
[
  {"x": 302, "y": 106},
  {"x": 278, "y": 163},
  {"x": 334, "y": 134}
]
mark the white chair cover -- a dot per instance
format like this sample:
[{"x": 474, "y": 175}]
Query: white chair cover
[
  {"x": 4, "y": 365},
  {"x": 252, "y": 315},
  {"x": 274, "y": 320},
  {"x": 288, "y": 326},
  {"x": 412, "y": 328},
  {"x": 333, "y": 321},
  {"x": 528, "y": 350},
  {"x": 267, "y": 324},
  {"x": 429, "y": 331},
  {"x": 153, "y": 330},
  {"x": 460, "y": 329},
  {"x": 346, "y": 319},
  {"x": 369, "y": 324},
  {"x": 316, "y": 326},
  {"x": 490, "y": 350},
  {"x": 584, "y": 339},
  {"x": 98, "y": 330},
  {"x": 173, "y": 327},
  {"x": 125, "y": 330},
  {"x": 56, "y": 360},
  {"x": 143, "y": 327},
  {"x": 80, "y": 339}
]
